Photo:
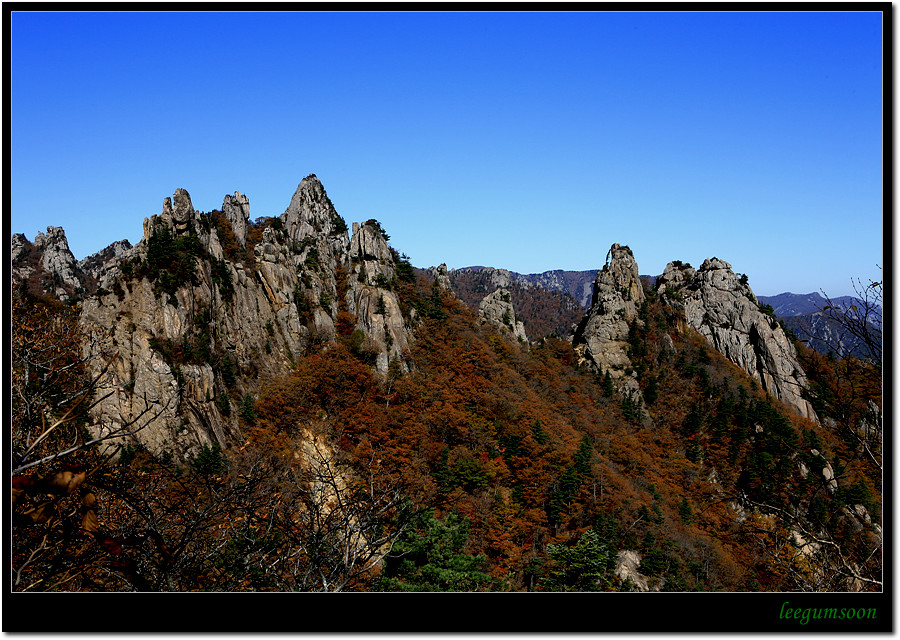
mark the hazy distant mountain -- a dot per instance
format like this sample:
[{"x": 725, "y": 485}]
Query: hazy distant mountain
[
  {"x": 577, "y": 284},
  {"x": 795, "y": 304},
  {"x": 801, "y": 313}
]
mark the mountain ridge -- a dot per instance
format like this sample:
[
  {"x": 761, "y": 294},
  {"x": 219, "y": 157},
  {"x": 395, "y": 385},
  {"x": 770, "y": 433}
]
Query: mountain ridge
[{"x": 284, "y": 368}]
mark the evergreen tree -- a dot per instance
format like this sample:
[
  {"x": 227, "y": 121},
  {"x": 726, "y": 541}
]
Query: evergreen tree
[
  {"x": 537, "y": 431},
  {"x": 431, "y": 557},
  {"x": 584, "y": 566},
  {"x": 583, "y": 457}
]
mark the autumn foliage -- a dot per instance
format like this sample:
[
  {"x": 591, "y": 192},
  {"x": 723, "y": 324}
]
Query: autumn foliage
[{"x": 488, "y": 465}]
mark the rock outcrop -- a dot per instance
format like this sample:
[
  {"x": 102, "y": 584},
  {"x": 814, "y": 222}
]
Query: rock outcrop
[
  {"x": 192, "y": 324},
  {"x": 371, "y": 297},
  {"x": 442, "y": 277},
  {"x": 23, "y": 265},
  {"x": 601, "y": 338},
  {"x": 99, "y": 265},
  {"x": 57, "y": 258},
  {"x": 236, "y": 209},
  {"x": 721, "y": 307},
  {"x": 497, "y": 308},
  {"x": 628, "y": 564},
  {"x": 48, "y": 267}
]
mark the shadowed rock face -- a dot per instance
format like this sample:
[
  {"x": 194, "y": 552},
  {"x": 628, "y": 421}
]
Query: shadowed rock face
[
  {"x": 722, "y": 308},
  {"x": 602, "y": 336}
]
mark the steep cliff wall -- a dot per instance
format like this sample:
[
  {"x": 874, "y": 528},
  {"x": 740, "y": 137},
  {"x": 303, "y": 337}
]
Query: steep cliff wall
[
  {"x": 601, "y": 338},
  {"x": 207, "y": 306},
  {"x": 722, "y": 308},
  {"x": 373, "y": 269}
]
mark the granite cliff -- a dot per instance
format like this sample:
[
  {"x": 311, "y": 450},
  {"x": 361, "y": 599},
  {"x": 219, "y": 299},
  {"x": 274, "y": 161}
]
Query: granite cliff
[
  {"x": 207, "y": 306},
  {"x": 601, "y": 338},
  {"x": 711, "y": 300},
  {"x": 722, "y": 308},
  {"x": 497, "y": 307}
]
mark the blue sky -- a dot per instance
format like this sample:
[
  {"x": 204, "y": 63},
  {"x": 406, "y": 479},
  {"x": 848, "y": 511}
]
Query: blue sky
[{"x": 529, "y": 141}]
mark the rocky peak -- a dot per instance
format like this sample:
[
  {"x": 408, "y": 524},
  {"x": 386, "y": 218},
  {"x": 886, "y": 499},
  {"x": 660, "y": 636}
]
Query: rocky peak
[
  {"x": 721, "y": 306},
  {"x": 618, "y": 284},
  {"x": 442, "y": 277},
  {"x": 194, "y": 340},
  {"x": 19, "y": 244},
  {"x": 183, "y": 213},
  {"x": 675, "y": 276},
  {"x": 601, "y": 338},
  {"x": 98, "y": 264},
  {"x": 370, "y": 256},
  {"x": 373, "y": 271},
  {"x": 20, "y": 252},
  {"x": 58, "y": 261},
  {"x": 311, "y": 212},
  {"x": 177, "y": 213},
  {"x": 497, "y": 308},
  {"x": 236, "y": 209}
]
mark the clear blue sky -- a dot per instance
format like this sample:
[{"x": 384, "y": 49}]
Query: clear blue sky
[{"x": 529, "y": 141}]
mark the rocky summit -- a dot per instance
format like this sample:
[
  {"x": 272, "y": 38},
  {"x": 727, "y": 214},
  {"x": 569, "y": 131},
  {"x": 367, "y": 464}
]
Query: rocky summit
[
  {"x": 722, "y": 308},
  {"x": 201, "y": 310},
  {"x": 601, "y": 338}
]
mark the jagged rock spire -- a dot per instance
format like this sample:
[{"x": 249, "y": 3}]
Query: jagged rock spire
[
  {"x": 442, "y": 277},
  {"x": 371, "y": 297},
  {"x": 311, "y": 212},
  {"x": 601, "y": 337},
  {"x": 236, "y": 209},
  {"x": 177, "y": 212},
  {"x": 57, "y": 260}
]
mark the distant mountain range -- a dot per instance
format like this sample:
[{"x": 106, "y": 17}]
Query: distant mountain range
[
  {"x": 797, "y": 304},
  {"x": 578, "y": 284},
  {"x": 800, "y": 312}
]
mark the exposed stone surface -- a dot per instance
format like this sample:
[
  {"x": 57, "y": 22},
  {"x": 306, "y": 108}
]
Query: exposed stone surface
[
  {"x": 371, "y": 298},
  {"x": 578, "y": 284},
  {"x": 20, "y": 254},
  {"x": 58, "y": 261},
  {"x": 827, "y": 473},
  {"x": 601, "y": 338},
  {"x": 442, "y": 277},
  {"x": 101, "y": 266},
  {"x": 253, "y": 317},
  {"x": 497, "y": 308},
  {"x": 723, "y": 309},
  {"x": 237, "y": 209},
  {"x": 675, "y": 277},
  {"x": 628, "y": 563}
]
